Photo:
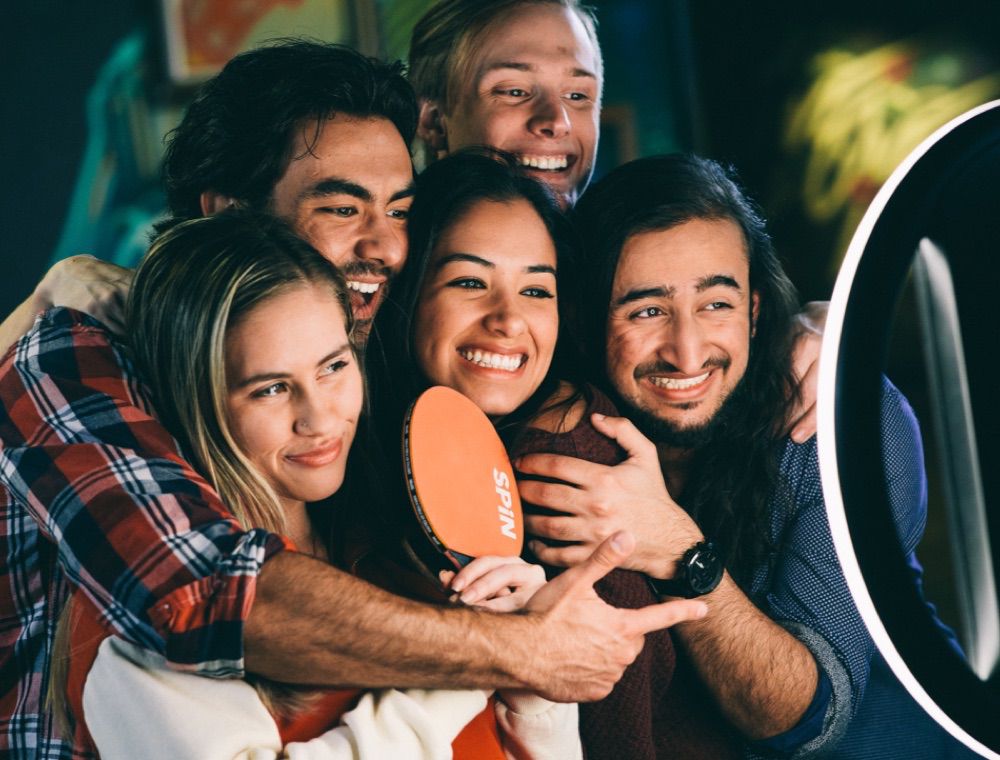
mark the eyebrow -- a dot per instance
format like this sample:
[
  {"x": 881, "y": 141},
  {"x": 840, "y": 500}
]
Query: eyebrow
[
  {"x": 637, "y": 294},
  {"x": 713, "y": 280},
  {"x": 664, "y": 291},
  {"x": 472, "y": 258},
  {"x": 338, "y": 186},
  {"x": 529, "y": 67},
  {"x": 265, "y": 376}
]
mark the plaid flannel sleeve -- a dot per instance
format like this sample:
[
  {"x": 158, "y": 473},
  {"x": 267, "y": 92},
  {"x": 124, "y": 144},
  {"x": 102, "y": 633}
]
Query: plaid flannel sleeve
[{"x": 142, "y": 534}]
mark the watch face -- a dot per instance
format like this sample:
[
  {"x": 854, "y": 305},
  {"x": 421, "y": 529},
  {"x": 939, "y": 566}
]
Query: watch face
[{"x": 704, "y": 571}]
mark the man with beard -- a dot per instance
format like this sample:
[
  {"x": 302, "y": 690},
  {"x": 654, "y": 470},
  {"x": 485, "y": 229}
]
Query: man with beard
[
  {"x": 693, "y": 337},
  {"x": 94, "y": 493}
]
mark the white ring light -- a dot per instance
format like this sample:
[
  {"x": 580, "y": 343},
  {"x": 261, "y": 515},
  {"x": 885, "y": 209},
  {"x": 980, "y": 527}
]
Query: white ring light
[{"x": 829, "y": 466}]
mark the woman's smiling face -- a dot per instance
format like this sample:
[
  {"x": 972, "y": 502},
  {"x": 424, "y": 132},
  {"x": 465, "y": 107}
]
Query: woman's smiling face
[
  {"x": 487, "y": 317},
  {"x": 294, "y": 392}
]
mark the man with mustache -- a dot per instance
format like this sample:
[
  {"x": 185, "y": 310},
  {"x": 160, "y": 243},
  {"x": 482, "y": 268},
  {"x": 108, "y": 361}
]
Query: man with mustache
[{"x": 693, "y": 338}]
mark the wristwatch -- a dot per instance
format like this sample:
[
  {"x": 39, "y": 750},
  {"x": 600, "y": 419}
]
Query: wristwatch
[{"x": 698, "y": 573}]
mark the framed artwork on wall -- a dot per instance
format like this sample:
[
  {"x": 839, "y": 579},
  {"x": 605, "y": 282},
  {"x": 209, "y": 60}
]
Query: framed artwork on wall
[{"x": 201, "y": 35}]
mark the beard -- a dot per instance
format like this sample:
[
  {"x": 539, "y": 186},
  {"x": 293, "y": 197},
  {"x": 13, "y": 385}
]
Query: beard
[{"x": 661, "y": 431}]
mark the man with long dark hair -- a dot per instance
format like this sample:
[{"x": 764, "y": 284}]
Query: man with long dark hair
[{"x": 691, "y": 327}]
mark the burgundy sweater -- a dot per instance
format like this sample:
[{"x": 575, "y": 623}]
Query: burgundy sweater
[{"x": 653, "y": 712}]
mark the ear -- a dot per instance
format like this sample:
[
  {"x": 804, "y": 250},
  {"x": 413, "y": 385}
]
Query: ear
[
  {"x": 213, "y": 202},
  {"x": 432, "y": 127},
  {"x": 754, "y": 312}
]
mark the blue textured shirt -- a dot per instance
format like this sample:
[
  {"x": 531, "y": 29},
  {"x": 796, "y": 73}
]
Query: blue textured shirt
[{"x": 802, "y": 587}]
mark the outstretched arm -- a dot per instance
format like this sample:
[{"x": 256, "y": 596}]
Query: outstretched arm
[
  {"x": 152, "y": 546},
  {"x": 762, "y": 676},
  {"x": 313, "y": 624}
]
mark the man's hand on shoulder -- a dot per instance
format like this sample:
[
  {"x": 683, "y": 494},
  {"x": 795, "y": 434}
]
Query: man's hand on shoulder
[
  {"x": 95, "y": 287},
  {"x": 598, "y": 500},
  {"x": 84, "y": 283},
  {"x": 809, "y": 326}
]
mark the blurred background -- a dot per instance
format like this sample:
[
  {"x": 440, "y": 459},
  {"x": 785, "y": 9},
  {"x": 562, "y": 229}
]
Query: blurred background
[{"x": 814, "y": 102}]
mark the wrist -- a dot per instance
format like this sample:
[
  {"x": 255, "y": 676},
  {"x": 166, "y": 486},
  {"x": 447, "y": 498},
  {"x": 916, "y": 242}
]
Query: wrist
[
  {"x": 513, "y": 650},
  {"x": 665, "y": 562},
  {"x": 698, "y": 572},
  {"x": 41, "y": 297}
]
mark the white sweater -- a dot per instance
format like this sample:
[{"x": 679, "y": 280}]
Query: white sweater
[{"x": 134, "y": 706}]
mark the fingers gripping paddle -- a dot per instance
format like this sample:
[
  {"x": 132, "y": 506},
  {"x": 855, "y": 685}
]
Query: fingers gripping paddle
[{"x": 459, "y": 479}]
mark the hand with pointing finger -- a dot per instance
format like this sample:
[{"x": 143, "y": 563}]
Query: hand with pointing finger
[{"x": 583, "y": 640}]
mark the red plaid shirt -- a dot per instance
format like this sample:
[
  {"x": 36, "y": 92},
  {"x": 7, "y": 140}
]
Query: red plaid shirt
[{"x": 94, "y": 494}]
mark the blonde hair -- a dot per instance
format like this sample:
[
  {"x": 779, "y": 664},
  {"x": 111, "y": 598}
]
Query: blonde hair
[
  {"x": 198, "y": 279},
  {"x": 446, "y": 38}
]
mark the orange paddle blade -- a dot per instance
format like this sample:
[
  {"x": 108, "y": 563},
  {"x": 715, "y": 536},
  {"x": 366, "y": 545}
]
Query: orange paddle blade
[{"x": 460, "y": 480}]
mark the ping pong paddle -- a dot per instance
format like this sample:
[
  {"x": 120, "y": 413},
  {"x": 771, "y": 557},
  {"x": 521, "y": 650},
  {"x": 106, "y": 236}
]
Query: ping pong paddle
[{"x": 460, "y": 481}]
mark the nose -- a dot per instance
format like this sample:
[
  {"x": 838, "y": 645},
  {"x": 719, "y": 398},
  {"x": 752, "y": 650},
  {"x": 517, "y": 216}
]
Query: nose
[
  {"x": 549, "y": 116},
  {"x": 381, "y": 241},
  {"x": 316, "y": 414},
  {"x": 504, "y": 318},
  {"x": 685, "y": 345}
]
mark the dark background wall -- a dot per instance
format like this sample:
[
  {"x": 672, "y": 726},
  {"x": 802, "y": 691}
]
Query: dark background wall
[{"x": 51, "y": 53}]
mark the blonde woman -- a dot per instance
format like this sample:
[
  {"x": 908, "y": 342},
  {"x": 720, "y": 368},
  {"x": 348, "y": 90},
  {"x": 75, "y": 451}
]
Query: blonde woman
[{"x": 243, "y": 332}]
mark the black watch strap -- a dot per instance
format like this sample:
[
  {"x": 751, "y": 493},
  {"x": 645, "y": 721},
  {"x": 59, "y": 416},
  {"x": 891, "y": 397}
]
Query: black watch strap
[{"x": 699, "y": 572}]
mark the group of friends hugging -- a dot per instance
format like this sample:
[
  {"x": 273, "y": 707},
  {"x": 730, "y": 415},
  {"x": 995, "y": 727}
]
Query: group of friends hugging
[{"x": 207, "y": 542}]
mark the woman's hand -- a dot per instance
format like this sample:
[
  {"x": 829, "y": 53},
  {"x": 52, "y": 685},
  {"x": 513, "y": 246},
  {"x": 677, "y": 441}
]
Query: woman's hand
[
  {"x": 502, "y": 584},
  {"x": 95, "y": 287}
]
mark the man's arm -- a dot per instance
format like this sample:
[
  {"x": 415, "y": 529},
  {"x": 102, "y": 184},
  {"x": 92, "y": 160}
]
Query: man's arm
[
  {"x": 763, "y": 676},
  {"x": 168, "y": 567},
  {"x": 95, "y": 287},
  {"x": 314, "y": 624}
]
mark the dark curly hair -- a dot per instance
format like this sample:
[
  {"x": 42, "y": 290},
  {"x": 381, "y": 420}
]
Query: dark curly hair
[{"x": 236, "y": 136}]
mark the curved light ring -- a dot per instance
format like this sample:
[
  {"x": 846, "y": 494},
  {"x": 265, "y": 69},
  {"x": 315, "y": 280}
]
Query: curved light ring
[{"x": 826, "y": 435}]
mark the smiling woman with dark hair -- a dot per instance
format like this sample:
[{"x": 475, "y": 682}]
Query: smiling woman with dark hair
[{"x": 484, "y": 307}]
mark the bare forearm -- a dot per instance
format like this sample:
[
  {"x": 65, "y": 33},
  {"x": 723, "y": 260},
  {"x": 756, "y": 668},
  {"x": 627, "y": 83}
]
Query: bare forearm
[
  {"x": 762, "y": 677},
  {"x": 19, "y": 321},
  {"x": 311, "y": 623}
]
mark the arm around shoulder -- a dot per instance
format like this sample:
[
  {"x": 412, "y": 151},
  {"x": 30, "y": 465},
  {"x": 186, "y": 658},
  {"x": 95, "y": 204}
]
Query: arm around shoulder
[{"x": 84, "y": 457}]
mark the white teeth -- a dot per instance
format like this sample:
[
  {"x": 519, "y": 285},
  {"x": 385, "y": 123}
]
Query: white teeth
[
  {"x": 364, "y": 287},
  {"x": 677, "y": 384},
  {"x": 490, "y": 360},
  {"x": 546, "y": 163}
]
